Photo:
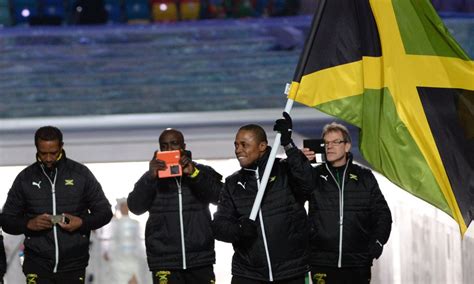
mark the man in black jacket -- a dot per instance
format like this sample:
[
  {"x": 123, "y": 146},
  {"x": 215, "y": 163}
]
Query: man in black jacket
[
  {"x": 349, "y": 218},
  {"x": 178, "y": 235},
  {"x": 55, "y": 203},
  {"x": 273, "y": 248}
]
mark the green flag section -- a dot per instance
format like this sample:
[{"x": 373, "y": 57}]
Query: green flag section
[{"x": 391, "y": 68}]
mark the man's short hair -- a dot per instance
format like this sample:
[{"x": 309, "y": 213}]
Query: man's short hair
[
  {"x": 172, "y": 130},
  {"x": 259, "y": 132},
  {"x": 48, "y": 133},
  {"x": 335, "y": 127}
]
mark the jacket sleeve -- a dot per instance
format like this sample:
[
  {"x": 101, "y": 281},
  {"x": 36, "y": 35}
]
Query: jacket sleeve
[
  {"x": 380, "y": 212},
  {"x": 99, "y": 209},
  {"x": 300, "y": 172},
  {"x": 207, "y": 185},
  {"x": 140, "y": 199},
  {"x": 14, "y": 210},
  {"x": 226, "y": 220}
]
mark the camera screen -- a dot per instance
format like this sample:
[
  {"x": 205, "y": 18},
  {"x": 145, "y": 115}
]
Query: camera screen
[{"x": 174, "y": 170}]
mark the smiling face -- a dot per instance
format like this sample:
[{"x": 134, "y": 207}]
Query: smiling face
[
  {"x": 48, "y": 151},
  {"x": 248, "y": 148},
  {"x": 336, "y": 152}
]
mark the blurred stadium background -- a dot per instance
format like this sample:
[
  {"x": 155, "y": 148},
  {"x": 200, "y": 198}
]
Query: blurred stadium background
[{"x": 112, "y": 74}]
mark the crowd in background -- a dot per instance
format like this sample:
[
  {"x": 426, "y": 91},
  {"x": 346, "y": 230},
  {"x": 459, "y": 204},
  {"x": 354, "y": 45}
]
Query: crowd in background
[
  {"x": 72, "y": 12},
  {"x": 250, "y": 8},
  {"x": 461, "y": 6}
]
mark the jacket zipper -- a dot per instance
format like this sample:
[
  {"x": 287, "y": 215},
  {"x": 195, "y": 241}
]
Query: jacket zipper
[
  {"x": 341, "y": 210},
  {"x": 262, "y": 227},
  {"x": 181, "y": 224},
  {"x": 55, "y": 229}
]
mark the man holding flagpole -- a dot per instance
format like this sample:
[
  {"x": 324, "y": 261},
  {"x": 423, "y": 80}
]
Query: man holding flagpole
[{"x": 273, "y": 248}]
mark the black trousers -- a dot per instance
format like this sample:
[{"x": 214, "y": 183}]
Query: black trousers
[
  {"x": 198, "y": 275},
  {"x": 345, "y": 275},
  {"x": 68, "y": 277},
  {"x": 243, "y": 280}
]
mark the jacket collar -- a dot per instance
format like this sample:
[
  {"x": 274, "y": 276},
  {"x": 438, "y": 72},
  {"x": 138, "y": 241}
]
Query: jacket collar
[
  {"x": 260, "y": 163},
  {"x": 58, "y": 164}
]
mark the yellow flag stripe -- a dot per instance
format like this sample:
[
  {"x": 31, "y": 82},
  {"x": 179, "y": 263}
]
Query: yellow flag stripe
[
  {"x": 338, "y": 82},
  {"x": 450, "y": 72}
]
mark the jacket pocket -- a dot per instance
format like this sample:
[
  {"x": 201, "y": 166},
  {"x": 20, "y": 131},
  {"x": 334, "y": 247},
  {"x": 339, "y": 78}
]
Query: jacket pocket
[{"x": 42, "y": 245}]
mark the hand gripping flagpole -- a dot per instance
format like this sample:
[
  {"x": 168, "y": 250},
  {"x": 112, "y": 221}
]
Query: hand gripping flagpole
[
  {"x": 289, "y": 104},
  {"x": 269, "y": 166}
]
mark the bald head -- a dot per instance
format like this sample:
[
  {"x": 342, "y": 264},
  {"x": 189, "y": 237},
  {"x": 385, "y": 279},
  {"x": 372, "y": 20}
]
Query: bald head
[{"x": 171, "y": 139}]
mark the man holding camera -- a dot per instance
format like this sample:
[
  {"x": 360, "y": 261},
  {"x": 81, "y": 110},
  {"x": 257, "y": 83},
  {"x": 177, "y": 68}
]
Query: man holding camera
[
  {"x": 179, "y": 240},
  {"x": 55, "y": 202},
  {"x": 349, "y": 218}
]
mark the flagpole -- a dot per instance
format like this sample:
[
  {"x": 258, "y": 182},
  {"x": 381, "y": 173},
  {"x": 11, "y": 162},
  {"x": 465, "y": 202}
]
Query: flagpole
[
  {"x": 289, "y": 105},
  {"x": 268, "y": 167}
]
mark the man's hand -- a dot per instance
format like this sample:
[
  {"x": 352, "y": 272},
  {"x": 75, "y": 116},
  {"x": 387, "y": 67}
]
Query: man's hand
[
  {"x": 310, "y": 155},
  {"x": 155, "y": 166},
  {"x": 72, "y": 223},
  {"x": 285, "y": 127},
  {"x": 376, "y": 249},
  {"x": 186, "y": 163},
  {"x": 40, "y": 223}
]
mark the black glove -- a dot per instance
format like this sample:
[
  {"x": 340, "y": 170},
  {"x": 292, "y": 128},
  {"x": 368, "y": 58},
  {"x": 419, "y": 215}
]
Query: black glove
[
  {"x": 376, "y": 249},
  {"x": 247, "y": 231},
  {"x": 284, "y": 126}
]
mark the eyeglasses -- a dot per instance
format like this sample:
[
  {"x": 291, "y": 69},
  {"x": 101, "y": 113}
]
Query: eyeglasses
[{"x": 335, "y": 142}]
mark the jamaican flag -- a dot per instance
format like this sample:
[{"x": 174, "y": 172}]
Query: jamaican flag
[{"x": 391, "y": 68}]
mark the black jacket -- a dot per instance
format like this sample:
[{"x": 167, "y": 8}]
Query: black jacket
[
  {"x": 284, "y": 219},
  {"x": 166, "y": 203},
  {"x": 77, "y": 192},
  {"x": 364, "y": 212}
]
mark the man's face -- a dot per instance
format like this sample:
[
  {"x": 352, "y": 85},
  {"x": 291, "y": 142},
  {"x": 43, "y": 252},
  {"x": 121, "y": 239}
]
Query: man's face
[
  {"x": 49, "y": 152},
  {"x": 171, "y": 141},
  {"x": 336, "y": 148},
  {"x": 247, "y": 148}
]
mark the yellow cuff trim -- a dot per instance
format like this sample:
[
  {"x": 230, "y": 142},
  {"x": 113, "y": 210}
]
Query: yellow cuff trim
[{"x": 195, "y": 173}]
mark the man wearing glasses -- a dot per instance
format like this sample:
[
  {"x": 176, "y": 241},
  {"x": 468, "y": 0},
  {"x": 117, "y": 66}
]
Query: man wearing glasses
[{"x": 349, "y": 218}]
